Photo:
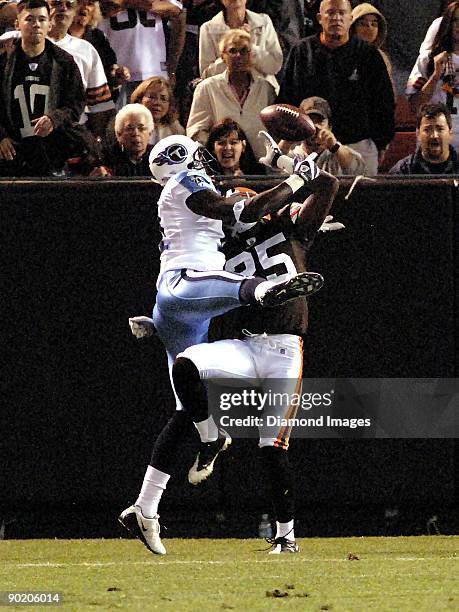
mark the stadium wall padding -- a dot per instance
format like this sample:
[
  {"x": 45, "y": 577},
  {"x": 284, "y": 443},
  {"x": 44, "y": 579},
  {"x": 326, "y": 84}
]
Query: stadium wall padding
[{"x": 83, "y": 400}]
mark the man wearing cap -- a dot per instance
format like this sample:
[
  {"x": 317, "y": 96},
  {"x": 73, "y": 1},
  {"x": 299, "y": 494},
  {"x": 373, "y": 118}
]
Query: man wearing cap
[
  {"x": 333, "y": 156},
  {"x": 351, "y": 75}
]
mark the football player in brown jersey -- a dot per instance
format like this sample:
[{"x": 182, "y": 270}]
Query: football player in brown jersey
[
  {"x": 264, "y": 347},
  {"x": 307, "y": 219}
]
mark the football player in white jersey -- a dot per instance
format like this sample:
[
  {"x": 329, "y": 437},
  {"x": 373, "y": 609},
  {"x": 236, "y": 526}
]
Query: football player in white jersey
[{"x": 193, "y": 288}]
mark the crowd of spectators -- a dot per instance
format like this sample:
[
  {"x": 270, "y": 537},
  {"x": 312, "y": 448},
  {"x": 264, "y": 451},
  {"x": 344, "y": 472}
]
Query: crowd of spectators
[{"x": 104, "y": 80}]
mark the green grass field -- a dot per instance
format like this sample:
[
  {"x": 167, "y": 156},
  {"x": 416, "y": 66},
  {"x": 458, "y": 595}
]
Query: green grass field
[{"x": 393, "y": 574}]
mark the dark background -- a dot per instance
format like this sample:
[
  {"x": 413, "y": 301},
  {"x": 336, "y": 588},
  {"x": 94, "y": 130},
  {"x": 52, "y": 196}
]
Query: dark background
[{"x": 82, "y": 400}]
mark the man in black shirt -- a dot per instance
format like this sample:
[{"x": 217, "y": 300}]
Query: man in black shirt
[
  {"x": 435, "y": 154},
  {"x": 351, "y": 75},
  {"x": 41, "y": 96}
]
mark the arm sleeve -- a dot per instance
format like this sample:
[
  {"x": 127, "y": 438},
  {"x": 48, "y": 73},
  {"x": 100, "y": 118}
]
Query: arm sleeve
[
  {"x": 72, "y": 100},
  {"x": 210, "y": 61},
  {"x": 201, "y": 115},
  {"x": 357, "y": 165},
  {"x": 427, "y": 43},
  {"x": 418, "y": 75},
  {"x": 195, "y": 181},
  {"x": 267, "y": 56},
  {"x": 402, "y": 166},
  {"x": 381, "y": 101},
  {"x": 99, "y": 98},
  {"x": 105, "y": 50}
]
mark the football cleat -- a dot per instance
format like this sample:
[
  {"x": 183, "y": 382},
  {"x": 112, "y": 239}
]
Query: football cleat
[
  {"x": 282, "y": 545},
  {"x": 142, "y": 327},
  {"x": 301, "y": 285},
  {"x": 203, "y": 466},
  {"x": 145, "y": 529}
]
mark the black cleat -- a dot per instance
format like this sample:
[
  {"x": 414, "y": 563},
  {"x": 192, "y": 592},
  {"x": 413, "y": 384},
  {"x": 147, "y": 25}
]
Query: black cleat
[
  {"x": 301, "y": 285},
  {"x": 203, "y": 466},
  {"x": 282, "y": 545}
]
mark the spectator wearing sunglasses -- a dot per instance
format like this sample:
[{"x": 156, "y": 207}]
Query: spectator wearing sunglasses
[
  {"x": 240, "y": 92},
  {"x": 266, "y": 50}
]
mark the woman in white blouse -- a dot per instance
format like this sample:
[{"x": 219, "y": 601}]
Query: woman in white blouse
[{"x": 267, "y": 55}]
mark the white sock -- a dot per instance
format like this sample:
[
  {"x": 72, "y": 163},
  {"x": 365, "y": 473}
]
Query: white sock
[
  {"x": 154, "y": 483},
  {"x": 285, "y": 530},
  {"x": 262, "y": 288},
  {"x": 208, "y": 431}
]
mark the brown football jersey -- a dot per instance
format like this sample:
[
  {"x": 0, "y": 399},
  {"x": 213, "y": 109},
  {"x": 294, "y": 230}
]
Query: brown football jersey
[{"x": 275, "y": 248}]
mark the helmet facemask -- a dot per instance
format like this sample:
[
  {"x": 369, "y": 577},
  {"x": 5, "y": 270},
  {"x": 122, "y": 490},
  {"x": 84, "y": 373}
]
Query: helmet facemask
[{"x": 204, "y": 160}]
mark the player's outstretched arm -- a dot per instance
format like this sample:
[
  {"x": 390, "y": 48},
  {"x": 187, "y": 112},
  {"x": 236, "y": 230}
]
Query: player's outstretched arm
[
  {"x": 306, "y": 172},
  {"x": 316, "y": 206},
  {"x": 211, "y": 204},
  {"x": 307, "y": 175}
]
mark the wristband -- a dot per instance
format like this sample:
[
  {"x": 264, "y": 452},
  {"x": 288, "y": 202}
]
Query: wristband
[
  {"x": 284, "y": 162},
  {"x": 335, "y": 147},
  {"x": 295, "y": 182}
]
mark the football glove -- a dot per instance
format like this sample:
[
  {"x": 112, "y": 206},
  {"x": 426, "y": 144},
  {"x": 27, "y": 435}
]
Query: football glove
[
  {"x": 272, "y": 150},
  {"x": 274, "y": 158},
  {"x": 306, "y": 168},
  {"x": 142, "y": 327}
]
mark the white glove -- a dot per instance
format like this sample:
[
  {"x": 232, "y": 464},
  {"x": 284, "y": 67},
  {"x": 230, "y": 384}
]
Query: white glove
[
  {"x": 331, "y": 226},
  {"x": 142, "y": 327},
  {"x": 272, "y": 150},
  {"x": 274, "y": 157}
]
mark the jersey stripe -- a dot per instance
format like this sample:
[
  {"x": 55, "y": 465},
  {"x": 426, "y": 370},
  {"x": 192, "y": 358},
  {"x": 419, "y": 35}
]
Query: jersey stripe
[
  {"x": 98, "y": 95},
  {"x": 283, "y": 437},
  {"x": 192, "y": 275}
]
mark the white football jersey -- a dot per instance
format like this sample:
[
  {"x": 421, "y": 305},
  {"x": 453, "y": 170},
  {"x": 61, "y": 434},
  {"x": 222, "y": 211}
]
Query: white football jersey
[
  {"x": 189, "y": 240},
  {"x": 87, "y": 59},
  {"x": 137, "y": 37}
]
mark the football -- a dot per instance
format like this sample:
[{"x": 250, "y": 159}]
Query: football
[{"x": 287, "y": 122}]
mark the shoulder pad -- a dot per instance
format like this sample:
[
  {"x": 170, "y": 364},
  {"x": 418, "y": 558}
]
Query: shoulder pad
[{"x": 195, "y": 181}]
